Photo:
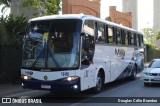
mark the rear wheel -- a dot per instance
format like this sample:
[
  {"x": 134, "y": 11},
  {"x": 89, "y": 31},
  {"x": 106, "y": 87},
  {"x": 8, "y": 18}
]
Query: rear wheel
[
  {"x": 134, "y": 72},
  {"x": 99, "y": 83}
]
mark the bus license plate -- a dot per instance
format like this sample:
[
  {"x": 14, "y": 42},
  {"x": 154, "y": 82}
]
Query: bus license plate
[{"x": 46, "y": 86}]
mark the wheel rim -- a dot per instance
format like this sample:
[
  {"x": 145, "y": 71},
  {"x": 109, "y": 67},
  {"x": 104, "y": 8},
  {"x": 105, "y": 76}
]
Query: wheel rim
[
  {"x": 134, "y": 72},
  {"x": 99, "y": 83}
]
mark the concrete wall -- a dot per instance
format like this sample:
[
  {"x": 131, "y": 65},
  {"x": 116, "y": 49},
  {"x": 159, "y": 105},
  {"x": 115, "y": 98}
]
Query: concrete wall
[
  {"x": 156, "y": 15},
  {"x": 131, "y": 6},
  {"x": 16, "y": 9}
]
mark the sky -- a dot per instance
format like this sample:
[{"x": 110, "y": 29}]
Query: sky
[
  {"x": 105, "y": 7},
  {"x": 145, "y": 11}
]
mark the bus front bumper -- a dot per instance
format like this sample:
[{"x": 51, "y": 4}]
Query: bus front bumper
[{"x": 55, "y": 86}]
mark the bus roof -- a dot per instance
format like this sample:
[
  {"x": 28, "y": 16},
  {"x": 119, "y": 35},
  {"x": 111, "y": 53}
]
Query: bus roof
[
  {"x": 82, "y": 17},
  {"x": 67, "y": 16}
]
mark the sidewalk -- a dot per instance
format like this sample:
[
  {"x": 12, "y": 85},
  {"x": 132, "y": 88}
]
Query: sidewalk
[{"x": 10, "y": 88}]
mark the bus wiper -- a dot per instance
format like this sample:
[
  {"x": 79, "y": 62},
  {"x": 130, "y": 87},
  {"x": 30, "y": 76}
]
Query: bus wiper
[
  {"x": 43, "y": 52},
  {"x": 38, "y": 58},
  {"x": 53, "y": 59}
]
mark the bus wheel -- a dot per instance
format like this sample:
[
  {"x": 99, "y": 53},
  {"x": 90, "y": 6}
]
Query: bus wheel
[
  {"x": 99, "y": 83},
  {"x": 134, "y": 72}
]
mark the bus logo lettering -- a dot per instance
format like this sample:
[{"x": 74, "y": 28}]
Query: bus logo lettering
[
  {"x": 29, "y": 72},
  {"x": 45, "y": 77},
  {"x": 120, "y": 52}
]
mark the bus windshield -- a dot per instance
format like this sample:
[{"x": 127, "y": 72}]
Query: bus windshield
[{"x": 52, "y": 44}]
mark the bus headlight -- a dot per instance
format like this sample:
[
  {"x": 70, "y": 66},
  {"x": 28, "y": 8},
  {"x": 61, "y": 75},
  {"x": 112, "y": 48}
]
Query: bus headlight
[
  {"x": 71, "y": 78},
  {"x": 25, "y": 77}
]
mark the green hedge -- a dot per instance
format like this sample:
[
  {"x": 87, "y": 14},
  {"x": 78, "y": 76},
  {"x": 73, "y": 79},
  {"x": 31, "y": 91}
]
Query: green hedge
[
  {"x": 152, "y": 52},
  {"x": 10, "y": 62}
]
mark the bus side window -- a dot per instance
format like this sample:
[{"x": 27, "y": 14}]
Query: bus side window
[
  {"x": 123, "y": 37},
  {"x": 132, "y": 39},
  {"x": 141, "y": 40},
  {"x": 137, "y": 40},
  {"x": 126, "y": 38},
  {"x": 101, "y": 35},
  {"x": 110, "y": 35},
  {"x": 139, "y": 36},
  {"x": 88, "y": 43},
  {"x": 119, "y": 40}
]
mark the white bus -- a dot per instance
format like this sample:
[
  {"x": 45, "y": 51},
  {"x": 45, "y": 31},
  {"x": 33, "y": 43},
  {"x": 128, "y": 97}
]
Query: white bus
[{"x": 78, "y": 52}]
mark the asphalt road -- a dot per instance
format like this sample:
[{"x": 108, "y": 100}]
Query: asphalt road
[{"x": 121, "y": 93}]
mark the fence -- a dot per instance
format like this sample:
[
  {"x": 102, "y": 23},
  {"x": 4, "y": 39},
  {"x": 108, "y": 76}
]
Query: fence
[{"x": 10, "y": 62}]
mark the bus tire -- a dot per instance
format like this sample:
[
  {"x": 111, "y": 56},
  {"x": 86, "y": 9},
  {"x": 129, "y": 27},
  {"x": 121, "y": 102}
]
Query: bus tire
[
  {"x": 134, "y": 72},
  {"x": 99, "y": 83}
]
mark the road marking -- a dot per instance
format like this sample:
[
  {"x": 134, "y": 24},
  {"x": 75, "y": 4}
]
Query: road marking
[
  {"x": 21, "y": 93},
  {"x": 98, "y": 95}
]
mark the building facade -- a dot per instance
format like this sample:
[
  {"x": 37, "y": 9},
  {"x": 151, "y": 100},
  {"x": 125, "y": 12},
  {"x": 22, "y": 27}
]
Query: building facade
[
  {"x": 89, "y": 7},
  {"x": 124, "y": 19}
]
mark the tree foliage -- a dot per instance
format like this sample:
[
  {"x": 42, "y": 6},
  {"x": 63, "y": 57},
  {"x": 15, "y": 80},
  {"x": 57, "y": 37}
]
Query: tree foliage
[
  {"x": 149, "y": 37},
  {"x": 44, "y": 7},
  {"x": 157, "y": 34},
  {"x": 6, "y": 3},
  {"x": 11, "y": 25}
]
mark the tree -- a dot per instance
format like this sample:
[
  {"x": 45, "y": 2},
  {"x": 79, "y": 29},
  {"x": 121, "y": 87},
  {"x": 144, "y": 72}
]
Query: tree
[
  {"x": 149, "y": 37},
  {"x": 157, "y": 34},
  {"x": 6, "y": 3},
  {"x": 11, "y": 25},
  {"x": 3, "y": 35},
  {"x": 44, "y": 7}
]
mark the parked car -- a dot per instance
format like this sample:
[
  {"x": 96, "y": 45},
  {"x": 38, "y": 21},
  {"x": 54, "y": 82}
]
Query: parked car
[{"x": 151, "y": 73}]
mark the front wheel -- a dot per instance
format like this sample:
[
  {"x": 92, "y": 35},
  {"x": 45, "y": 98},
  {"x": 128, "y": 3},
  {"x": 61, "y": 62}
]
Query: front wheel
[{"x": 99, "y": 83}]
